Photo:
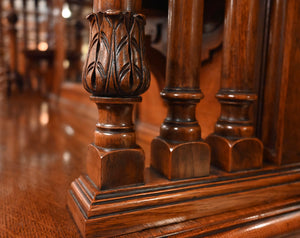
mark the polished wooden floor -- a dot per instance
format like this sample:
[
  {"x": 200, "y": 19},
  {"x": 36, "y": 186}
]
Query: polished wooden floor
[{"x": 42, "y": 150}]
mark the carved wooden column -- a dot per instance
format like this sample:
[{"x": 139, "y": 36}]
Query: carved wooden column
[
  {"x": 179, "y": 151},
  {"x": 233, "y": 144},
  {"x": 115, "y": 73}
]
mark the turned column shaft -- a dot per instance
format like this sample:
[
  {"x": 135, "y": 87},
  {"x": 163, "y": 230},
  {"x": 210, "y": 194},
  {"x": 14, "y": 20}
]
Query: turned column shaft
[
  {"x": 122, "y": 5},
  {"x": 179, "y": 152},
  {"x": 238, "y": 68},
  {"x": 116, "y": 74},
  {"x": 182, "y": 90},
  {"x": 185, "y": 35},
  {"x": 233, "y": 145}
]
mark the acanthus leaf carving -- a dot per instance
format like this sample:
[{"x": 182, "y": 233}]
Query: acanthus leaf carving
[{"x": 115, "y": 64}]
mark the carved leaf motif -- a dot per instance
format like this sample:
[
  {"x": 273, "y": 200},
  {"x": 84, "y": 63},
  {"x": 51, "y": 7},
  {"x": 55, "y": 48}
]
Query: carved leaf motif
[
  {"x": 122, "y": 57},
  {"x": 90, "y": 73},
  {"x": 115, "y": 64},
  {"x": 105, "y": 54},
  {"x": 137, "y": 50}
]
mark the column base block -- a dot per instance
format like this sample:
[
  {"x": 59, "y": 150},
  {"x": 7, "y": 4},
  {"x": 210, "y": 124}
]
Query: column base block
[
  {"x": 115, "y": 168},
  {"x": 180, "y": 161},
  {"x": 235, "y": 155}
]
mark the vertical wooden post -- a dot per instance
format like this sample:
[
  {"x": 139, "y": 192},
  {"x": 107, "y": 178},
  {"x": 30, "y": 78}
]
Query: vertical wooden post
[
  {"x": 12, "y": 31},
  {"x": 115, "y": 73},
  {"x": 37, "y": 24},
  {"x": 233, "y": 144},
  {"x": 179, "y": 151}
]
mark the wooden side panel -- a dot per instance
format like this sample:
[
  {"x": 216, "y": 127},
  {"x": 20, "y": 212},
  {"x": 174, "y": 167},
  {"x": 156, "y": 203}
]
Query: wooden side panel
[
  {"x": 291, "y": 136},
  {"x": 280, "y": 130}
]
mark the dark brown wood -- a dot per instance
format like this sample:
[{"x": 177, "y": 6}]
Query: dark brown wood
[
  {"x": 280, "y": 131},
  {"x": 154, "y": 205},
  {"x": 115, "y": 73},
  {"x": 42, "y": 146},
  {"x": 179, "y": 151},
  {"x": 233, "y": 144},
  {"x": 40, "y": 176}
]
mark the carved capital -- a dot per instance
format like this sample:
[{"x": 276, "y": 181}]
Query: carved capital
[{"x": 115, "y": 65}]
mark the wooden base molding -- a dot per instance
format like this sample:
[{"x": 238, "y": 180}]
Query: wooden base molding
[
  {"x": 180, "y": 160},
  {"x": 220, "y": 201},
  {"x": 235, "y": 155}
]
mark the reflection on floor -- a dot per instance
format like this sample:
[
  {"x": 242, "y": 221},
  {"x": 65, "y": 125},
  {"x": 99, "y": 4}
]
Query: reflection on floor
[{"x": 42, "y": 150}]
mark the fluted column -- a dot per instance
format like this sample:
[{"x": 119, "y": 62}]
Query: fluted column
[
  {"x": 179, "y": 151},
  {"x": 115, "y": 73},
  {"x": 233, "y": 144}
]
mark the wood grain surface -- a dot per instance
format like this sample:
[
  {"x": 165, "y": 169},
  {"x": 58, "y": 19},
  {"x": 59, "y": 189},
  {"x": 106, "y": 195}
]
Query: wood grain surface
[{"x": 42, "y": 149}]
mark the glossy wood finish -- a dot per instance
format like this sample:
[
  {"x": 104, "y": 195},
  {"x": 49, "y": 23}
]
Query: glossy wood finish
[
  {"x": 39, "y": 158},
  {"x": 115, "y": 73},
  {"x": 42, "y": 147},
  {"x": 179, "y": 151},
  {"x": 41, "y": 175},
  {"x": 233, "y": 144},
  {"x": 280, "y": 131},
  {"x": 164, "y": 203}
]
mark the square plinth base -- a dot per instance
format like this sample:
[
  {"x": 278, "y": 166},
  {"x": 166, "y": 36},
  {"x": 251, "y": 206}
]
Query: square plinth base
[
  {"x": 116, "y": 168},
  {"x": 180, "y": 161},
  {"x": 235, "y": 155}
]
